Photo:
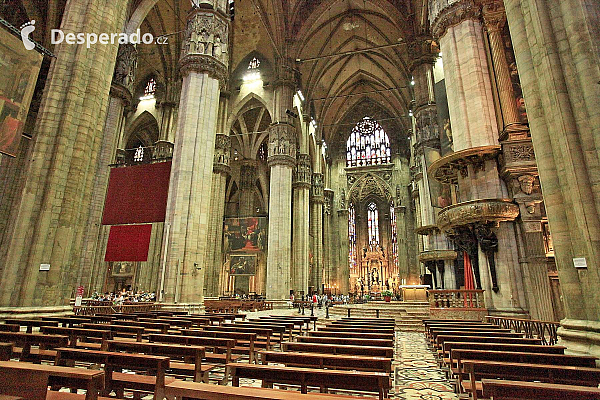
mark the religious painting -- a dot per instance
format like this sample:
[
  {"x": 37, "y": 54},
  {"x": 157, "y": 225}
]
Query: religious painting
[
  {"x": 245, "y": 234},
  {"x": 19, "y": 69},
  {"x": 243, "y": 264},
  {"x": 122, "y": 269}
]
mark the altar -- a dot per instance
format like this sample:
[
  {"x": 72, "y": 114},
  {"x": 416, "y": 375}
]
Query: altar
[{"x": 414, "y": 292}]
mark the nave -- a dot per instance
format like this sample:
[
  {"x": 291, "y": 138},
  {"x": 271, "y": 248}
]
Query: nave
[{"x": 280, "y": 354}]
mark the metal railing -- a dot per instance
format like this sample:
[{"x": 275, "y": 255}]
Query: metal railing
[
  {"x": 533, "y": 329},
  {"x": 471, "y": 299}
]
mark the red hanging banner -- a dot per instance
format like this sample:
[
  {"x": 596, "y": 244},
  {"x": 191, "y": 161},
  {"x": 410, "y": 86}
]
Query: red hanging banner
[{"x": 128, "y": 243}]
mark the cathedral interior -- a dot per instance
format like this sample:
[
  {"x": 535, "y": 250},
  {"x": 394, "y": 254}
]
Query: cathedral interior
[{"x": 264, "y": 148}]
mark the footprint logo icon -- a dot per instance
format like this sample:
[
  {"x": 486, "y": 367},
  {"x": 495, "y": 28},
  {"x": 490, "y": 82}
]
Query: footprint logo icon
[{"x": 26, "y": 30}]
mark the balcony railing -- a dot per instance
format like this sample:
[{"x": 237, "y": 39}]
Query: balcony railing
[
  {"x": 533, "y": 329},
  {"x": 470, "y": 299},
  {"x": 161, "y": 151}
]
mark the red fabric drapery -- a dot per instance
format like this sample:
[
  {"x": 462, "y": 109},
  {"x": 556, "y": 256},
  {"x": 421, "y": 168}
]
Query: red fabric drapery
[
  {"x": 128, "y": 243},
  {"x": 137, "y": 194},
  {"x": 469, "y": 280}
]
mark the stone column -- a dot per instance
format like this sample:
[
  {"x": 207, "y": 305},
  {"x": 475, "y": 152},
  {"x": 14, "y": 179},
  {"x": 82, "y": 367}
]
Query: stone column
[
  {"x": 247, "y": 185},
  {"x": 328, "y": 278},
  {"x": 495, "y": 20},
  {"x": 300, "y": 244},
  {"x": 474, "y": 124},
  {"x": 316, "y": 225},
  {"x": 281, "y": 160},
  {"x": 556, "y": 49},
  {"x": 120, "y": 99},
  {"x": 214, "y": 257},
  {"x": 51, "y": 217},
  {"x": 204, "y": 69}
]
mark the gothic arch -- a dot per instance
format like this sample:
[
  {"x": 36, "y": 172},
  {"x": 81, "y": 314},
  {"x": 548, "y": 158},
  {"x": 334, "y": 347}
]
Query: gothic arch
[
  {"x": 369, "y": 186},
  {"x": 144, "y": 127}
]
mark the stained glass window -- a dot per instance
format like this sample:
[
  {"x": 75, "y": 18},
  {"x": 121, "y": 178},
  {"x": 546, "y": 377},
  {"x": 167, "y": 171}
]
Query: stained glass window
[
  {"x": 138, "y": 156},
  {"x": 394, "y": 233},
  {"x": 352, "y": 235},
  {"x": 254, "y": 63},
  {"x": 262, "y": 152},
  {"x": 373, "y": 223},
  {"x": 368, "y": 144},
  {"x": 150, "y": 88}
]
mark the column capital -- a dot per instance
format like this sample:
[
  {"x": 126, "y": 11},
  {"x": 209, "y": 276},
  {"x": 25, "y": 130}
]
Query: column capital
[
  {"x": 328, "y": 205},
  {"x": 222, "y": 154},
  {"x": 282, "y": 144},
  {"x": 204, "y": 48},
  {"x": 125, "y": 66},
  {"x": 302, "y": 172},
  {"x": 285, "y": 72},
  {"x": 424, "y": 50},
  {"x": 494, "y": 16},
  {"x": 317, "y": 188},
  {"x": 449, "y": 15},
  {"x": 121, "y": 92}
]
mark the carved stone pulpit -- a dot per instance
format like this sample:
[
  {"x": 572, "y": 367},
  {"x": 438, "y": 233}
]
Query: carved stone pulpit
[{"x": 374, "y": 267}]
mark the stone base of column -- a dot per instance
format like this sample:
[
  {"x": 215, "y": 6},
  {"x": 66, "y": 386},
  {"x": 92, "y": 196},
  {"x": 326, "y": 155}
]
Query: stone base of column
[
  {"x": 580, "y": 337},
  {"x": 509, "y": 312}
]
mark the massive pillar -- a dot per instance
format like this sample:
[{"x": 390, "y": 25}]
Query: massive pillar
[
  {"x": 300, "y": 244},
  {"x": 51, "y": 217},
  {"x": 557, "y": 52},
  {"x": 316, "y": 225},
  {"x": 328, "y": 243},
  {"x": 204, "y": 69},
  {"x": 343, "y": 270},
  {"x": 519, "y": 168},
  {"x": 120, "y": 98},
  {"x": 483, "y": 219},
  {"x": 281, "y": 160},
  {"x": 214, "y": 256},
  {"x": 426, "y": 149}
]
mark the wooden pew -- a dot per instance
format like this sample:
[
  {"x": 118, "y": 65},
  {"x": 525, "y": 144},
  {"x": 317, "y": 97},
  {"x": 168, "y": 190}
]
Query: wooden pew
[
  {"x": 329, "y": 361},
  {"x": 71, "y": 321},
  {"x": 373, "y": 351},
  {"x": 506, "y": 335},
  {"x": 361, "y": 335},
  {"x": 126, "y": 331},
  {"x": 29, "y": 323},
  {"x": 561, "y": 374},
  {"x": 192, "y": 390},
  {"x": 24, "y": 341},
  {"x": 9, "y": 328},
  {"x": 374, "y": 320},
  {"x": 174, "y": 323},
  {"x": 306, "y": 318},
  {"x": 512, "y": 390},
  {"x": 31, "y": 380},
  {"x": 263, "y": 335},
  {"x": 448, "y": 346},
  {"x": 149, "y": 327},
  {"x": 283, "y": 328},
  {"x": 322, "y": 378},
  {"x": 440, "y": 339},
  {"x": 113, "y": 362},
  {"x": 335, "y": 328},
  {"x": 80, "y": 336},
  {"x": 347, "y": 341},
  {"x": 190, "y": 357},
  {"x": 299, "y": 324},
  {"x": 222, "y": 348},
  {"x": 6, "y": 350},
  {"x": 244, "y": 340}
]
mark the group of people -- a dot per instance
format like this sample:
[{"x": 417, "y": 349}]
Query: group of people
[
  {"x": 124, "y": 296},
  {"x": 319, "y": 300}
]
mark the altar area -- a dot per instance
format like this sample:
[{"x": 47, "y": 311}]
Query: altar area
[{"x": 374, "y": 273}]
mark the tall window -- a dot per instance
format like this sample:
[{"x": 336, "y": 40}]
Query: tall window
[
  {"x": 352, "y": 235},
  {"x": 138, "y": 156},
  {"x": 373, "y": 223},
  {"x": 150, "y": 89},
  {"x": 394, "y": 233},
  {"x": 368, "y": 144}
]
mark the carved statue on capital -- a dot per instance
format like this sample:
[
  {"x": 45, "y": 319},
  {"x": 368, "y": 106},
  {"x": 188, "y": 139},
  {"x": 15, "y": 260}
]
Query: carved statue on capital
[
  {"x": 317, "y": 186},
  {"x": 222, "y": 152},
  {"x": 445, "y": 14},
  {"x": 125, "y": 66},
  {"x": 303, "y": 171},
  {"x": 424, "y": 50},
  {"x": 342, "y": 199},
  {"x": 328, "y": 204},
  {"x": 282, "y": 144},
  {"x": 205, "y": 44}
]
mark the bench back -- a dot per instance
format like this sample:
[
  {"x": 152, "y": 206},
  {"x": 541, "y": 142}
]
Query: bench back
[
  {"x": 508, "y": 390},
  {"x": 457, "y": 355},
  {"x": 440, "y": 339},
  {"x": 347, "y": 341},
  {"x": 529, "y": 348},
  {"x": 361, "y": 335},
  {"x": 338, "y": 349}
]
